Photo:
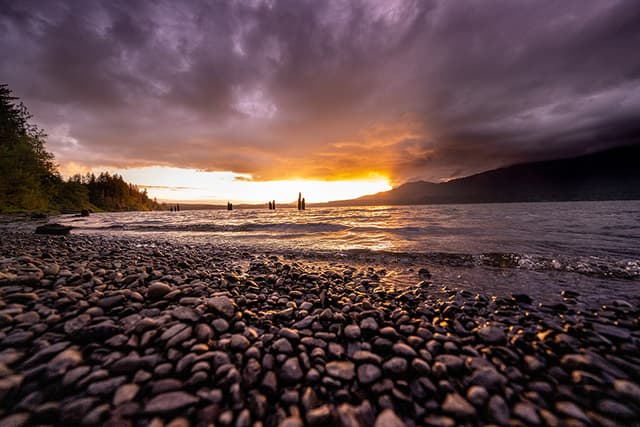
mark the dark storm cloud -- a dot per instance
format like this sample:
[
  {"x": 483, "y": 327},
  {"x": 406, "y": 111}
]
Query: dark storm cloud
[{"x": 277, "y": 89}]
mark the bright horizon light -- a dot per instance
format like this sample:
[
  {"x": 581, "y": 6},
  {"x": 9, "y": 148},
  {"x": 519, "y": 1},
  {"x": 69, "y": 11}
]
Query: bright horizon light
[{"x": 169, "y": 184}]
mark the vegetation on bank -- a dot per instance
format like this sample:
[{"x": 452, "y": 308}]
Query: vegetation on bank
[{"x": 30, "y": 180}]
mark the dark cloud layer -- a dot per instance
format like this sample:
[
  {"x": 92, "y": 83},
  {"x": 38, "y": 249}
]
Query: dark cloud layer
[{"x": 325, "y": 89}]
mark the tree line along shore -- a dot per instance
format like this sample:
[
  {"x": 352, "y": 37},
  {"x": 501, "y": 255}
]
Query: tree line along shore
[{"x": 31, "y": 182}]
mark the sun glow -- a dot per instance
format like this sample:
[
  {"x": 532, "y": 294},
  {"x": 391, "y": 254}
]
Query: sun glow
[{"x": 190, "y": 185}]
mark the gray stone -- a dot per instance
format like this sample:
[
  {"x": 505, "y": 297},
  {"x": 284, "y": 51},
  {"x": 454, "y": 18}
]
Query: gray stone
[
  {"x": 570, "y": 409},
  {"x": 388, "y": 418},
  {"x": 222, "y": 305},
  {"x": 341, "y": 370},
  {"x": 252, "y": 371},
  {"x": 498, "y": 410},
  {"x": 453, "y": 363},
  {"x": 488, "y": 378},
  {"x": 107, "y": 386},
  {"x": 612, "y": 332},
  {"x": 402, "y": 349},
  {"x": 439, "y": 421},
  {"x": 352, "y": 332},
  {"x": 319, "y": 416},
  {"x": 168, "y": 402},
  {"x": 185, "y": 313},
  {"x": 183, "y": 335},
  {"x": 527, "y": 413},
  {"x": 616, "y": 410},
  {"x": 157, "y": 290},
  {"x": 110, "y": 302},
  {"x": 368, "y": 373},
  {"x": 395, "y": 365},
  {"x": 125, "y": 393},
  {"x": 220, "y": 325},
  {"x": 361, "y": 356},
  {"x": 492, "y": 335},
  {"x": 282, "y": 345},
  {"x": 64, "y": 361},
  {"x": 628, "y": 389},
  {"x": 477, "y": 395},
  {"x": 172, "y": 331},
  {"x": 290, "y": 334},
  {"x": 456, "y": 405},
  {"x": 369, "y": 324},
  {"x": 15, "y": 420},
  {"x": 291, "y": 370}
]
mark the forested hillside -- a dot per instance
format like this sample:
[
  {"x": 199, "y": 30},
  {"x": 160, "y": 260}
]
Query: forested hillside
[{"x": 30, "y": 180}]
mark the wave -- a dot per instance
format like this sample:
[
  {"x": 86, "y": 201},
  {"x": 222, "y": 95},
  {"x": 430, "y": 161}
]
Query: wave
[
  {"x": 318, "y": 227},
  {"x": 602, "y": 268}
]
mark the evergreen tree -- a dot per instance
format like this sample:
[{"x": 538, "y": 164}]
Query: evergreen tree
[{"x": 29, "y": 179}]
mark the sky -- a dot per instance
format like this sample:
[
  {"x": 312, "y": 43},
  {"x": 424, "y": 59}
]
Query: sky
[{"x": 242, "y": 100}]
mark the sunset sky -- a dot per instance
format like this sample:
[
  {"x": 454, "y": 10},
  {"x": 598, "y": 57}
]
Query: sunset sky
[{"x": 256, "y": 100}]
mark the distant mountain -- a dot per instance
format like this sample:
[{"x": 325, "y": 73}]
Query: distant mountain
[{"x": 607, "y": 175}]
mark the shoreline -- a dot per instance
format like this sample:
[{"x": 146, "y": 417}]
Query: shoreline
[{"x": 110, "y": 331}]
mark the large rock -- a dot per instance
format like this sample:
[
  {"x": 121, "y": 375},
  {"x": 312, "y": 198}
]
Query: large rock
[
  {"x": 54, "y": 229},
  {"x": 222, "y": 305},
  {"x": 157, "y": 290}
]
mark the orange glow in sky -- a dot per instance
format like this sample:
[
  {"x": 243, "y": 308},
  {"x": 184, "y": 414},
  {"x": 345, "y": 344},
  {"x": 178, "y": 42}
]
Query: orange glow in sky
[{"x": 190, "y": 185}]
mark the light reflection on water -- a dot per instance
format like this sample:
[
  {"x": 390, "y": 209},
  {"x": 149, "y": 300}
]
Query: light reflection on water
[
  {"x": 537, "y": 248},
  {"x": 600, "y": 229}
]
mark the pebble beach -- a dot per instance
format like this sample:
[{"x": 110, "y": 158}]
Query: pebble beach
[{"x": 108, "y": 331}]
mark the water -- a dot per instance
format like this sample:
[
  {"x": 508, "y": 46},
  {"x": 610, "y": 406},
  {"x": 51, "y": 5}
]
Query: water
[{"x": 591, "y": 245}]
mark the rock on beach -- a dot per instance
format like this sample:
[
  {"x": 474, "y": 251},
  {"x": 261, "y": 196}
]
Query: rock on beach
[{"x": 108, "y": 331}]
